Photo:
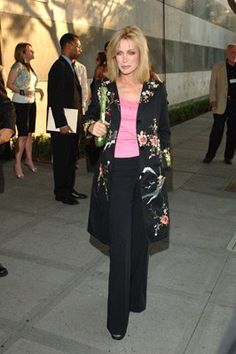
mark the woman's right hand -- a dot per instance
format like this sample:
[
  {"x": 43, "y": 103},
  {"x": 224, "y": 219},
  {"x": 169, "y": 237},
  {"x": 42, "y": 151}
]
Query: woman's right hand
[
  {"x": 98, "y": 128},
  {"x": 5, "y": 135},
  {"x": 213, "y": 105}
]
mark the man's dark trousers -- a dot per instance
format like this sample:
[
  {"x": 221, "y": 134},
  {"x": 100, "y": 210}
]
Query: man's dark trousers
[
  {"x": 65, "y": 153},
  {"x": 217, "y": 131}
]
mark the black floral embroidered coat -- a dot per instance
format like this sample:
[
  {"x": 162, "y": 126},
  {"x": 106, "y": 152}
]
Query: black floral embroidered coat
[{"x": 153, "y": 136}]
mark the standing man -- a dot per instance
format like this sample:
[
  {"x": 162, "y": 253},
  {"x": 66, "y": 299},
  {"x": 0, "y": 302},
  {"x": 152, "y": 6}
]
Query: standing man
[
  {"x": 7, "y": 129},
  {"x": 223, "y": 104},
  {"x": 64, "y": 91}
]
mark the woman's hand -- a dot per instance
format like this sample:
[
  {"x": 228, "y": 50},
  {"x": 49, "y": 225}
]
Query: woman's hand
[
  {"x": 40, "y": 91},
  {"x": 5, "y": 135},
  {"x": 98, "y": 128},
  {"x": 213, "y": 105}
]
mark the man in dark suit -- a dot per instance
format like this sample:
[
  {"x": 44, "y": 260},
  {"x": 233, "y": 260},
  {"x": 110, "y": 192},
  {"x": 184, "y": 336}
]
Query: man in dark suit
[
  {"x": 64, "y": 91},
  {"x": 7, "y": 129}
]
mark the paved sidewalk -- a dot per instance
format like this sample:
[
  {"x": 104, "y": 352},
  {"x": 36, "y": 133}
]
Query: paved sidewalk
[{"x": 54, "y": 299}]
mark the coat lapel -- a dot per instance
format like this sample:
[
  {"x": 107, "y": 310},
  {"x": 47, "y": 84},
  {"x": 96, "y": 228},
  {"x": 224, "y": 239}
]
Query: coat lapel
[{"x": 141, "y": 104}]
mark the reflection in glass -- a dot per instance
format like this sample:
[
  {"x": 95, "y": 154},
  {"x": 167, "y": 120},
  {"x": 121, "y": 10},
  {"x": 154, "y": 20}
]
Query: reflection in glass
[{"x": 217, "y": 12}]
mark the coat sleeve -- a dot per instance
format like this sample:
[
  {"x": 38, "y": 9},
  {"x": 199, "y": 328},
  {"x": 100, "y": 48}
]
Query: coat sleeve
[
  {"x": 212, "y": 87},
  {"x": 93, "y": 111},
  {"x": 56, "y": 90},
  {"x": 7, "y": 110},
  {"x": 164, "y": 128}
]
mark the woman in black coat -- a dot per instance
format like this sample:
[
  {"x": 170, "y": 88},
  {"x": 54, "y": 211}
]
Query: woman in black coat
[
  {"x": 7, "y": 129},
  {"x": 129, "y": 204}
]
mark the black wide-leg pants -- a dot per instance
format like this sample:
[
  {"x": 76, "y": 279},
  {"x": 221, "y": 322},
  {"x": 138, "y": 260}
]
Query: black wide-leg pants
[{"x": 128, "y": 247}]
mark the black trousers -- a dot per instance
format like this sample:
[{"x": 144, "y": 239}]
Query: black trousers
[
  {"x": 65, "y": 152},
  {"x": 128, "y": 248},
  {"x": 217, "y": 131}
]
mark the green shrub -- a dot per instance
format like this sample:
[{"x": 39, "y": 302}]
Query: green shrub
[
  {"x": 185, "y": 111},
  {"x": 41, "y": 149}
]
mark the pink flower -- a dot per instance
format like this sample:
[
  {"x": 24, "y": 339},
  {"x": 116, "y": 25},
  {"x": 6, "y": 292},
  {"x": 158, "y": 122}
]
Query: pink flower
[
  {"x": 154, "y": 141},
  {"x": 142, "y": 138},
  {"x": 164, "y": 219}
]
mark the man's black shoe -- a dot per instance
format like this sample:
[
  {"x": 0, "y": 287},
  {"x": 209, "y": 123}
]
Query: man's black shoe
[
  {"x": 118, "y": 336},
  {"x": 67, "y": 200},
  {"x": 207, "y": 159},
  {"x": 77, "y": 195},
  {"x": 228, "y": 161},
  {"x": 3, "y": 271}
]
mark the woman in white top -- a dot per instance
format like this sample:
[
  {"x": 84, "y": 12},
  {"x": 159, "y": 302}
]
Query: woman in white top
[{"x": 22, "y": 80}]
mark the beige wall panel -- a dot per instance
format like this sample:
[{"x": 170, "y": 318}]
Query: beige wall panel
[
  {"x": 28, "y": 8},
  {"x": 183, "y": 27},
  {"x": 101, "y": 14},
  {"x": 44, "y": 45},
  {"x": 43, "y": 37},
  {"x": 180, "y": 26},
  {"x": 187, "y": 86}
]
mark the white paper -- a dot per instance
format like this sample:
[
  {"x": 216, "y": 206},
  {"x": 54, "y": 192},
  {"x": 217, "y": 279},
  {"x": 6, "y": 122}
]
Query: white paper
[{"x": 71, "y": 117}]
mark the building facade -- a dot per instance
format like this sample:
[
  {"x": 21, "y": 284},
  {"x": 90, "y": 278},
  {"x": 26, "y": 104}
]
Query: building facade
[{"x": 186, "y": 37}]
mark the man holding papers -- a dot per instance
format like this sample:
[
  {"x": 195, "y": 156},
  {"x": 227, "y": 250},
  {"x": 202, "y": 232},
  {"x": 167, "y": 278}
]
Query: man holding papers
[{"x": 64, "y": 114}]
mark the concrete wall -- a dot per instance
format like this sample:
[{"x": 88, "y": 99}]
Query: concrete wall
[{"x": 185, "y": 36}]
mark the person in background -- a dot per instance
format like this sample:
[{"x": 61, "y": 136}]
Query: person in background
[
  {"x": 81, "y": 72},
  {"x": 223, "y": 105},
  {"x": 22, "y": 80},
  {"x": 153, "y": 74},
  {"x": 106, "y": 46},
  {"x": 64, "y": 91},
  {"x": 7, "y": 129},
  {"x": 101, "y": 66},
  {"x": 93, "y": 152},
  {"x": 100, "y": 69},
  {"x": 129, "y": 203}
]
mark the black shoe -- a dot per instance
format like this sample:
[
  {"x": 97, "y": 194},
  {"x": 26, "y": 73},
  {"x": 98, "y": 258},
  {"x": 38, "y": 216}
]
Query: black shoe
[
  {"x": 228, "y": 161},
  {"x": 77, "y": 195},
  {"x": 3, "y": 271},
  {"x": 67, "y": 200},
  {"x": 118, "y": 336},
  {"x": 207, "y": 159}
]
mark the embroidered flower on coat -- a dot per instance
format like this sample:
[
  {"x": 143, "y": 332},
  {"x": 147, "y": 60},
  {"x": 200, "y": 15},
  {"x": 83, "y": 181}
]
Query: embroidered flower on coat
[
  {"x": 150, "y": 140},
  {"x": 142, "y": 139},
  {"x": 146, "y": 94},
  {"x": 164, "y": 219},
  {"x": 102, "y": 180},
  {"x": 154, "y": 141},
  {"x": 161, "y": 220}
]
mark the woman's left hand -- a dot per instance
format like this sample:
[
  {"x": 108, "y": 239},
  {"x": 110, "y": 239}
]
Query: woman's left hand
[{"x": 40, "y": 91}]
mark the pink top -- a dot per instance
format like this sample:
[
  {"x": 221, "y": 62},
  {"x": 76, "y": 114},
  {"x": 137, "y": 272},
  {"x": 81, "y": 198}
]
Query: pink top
[{"x": 127, "y": 144}]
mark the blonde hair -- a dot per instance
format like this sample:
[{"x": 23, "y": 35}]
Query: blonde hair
[{"x": 135, "y": 34}]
